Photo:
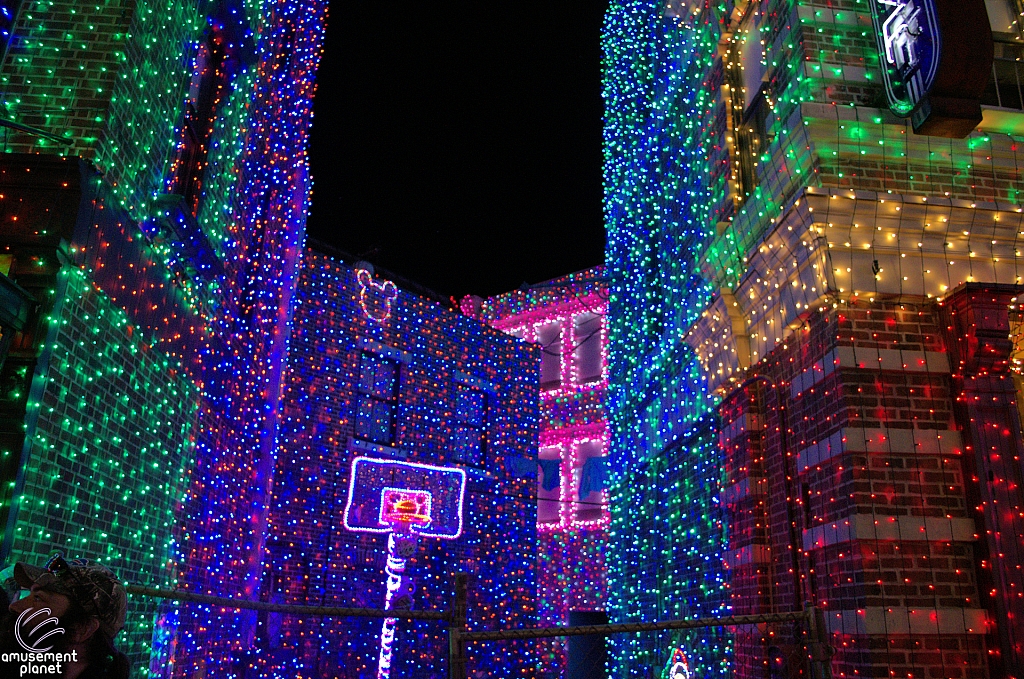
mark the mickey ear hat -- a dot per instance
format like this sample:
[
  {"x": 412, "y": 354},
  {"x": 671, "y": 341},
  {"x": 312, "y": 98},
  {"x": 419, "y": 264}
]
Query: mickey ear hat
[{"x": 92, "y": 586}]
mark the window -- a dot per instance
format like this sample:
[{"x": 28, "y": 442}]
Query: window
[
  {"x": 378, "y": 399},
  {"x": 590, "y": 478},
  {"x": 187, "y": 173},
  {"x": 751, "y": 119},
  {"x": 468, "y": 437},
  {"x": 549, "y": 337},
  {"x": 549, "y": 486},
  {"x": 586, "y": 332},
  {"x": 1004, "y": 88},
  {"x": 752, "y": 67},
  {"x": 1002, "y": 15}
]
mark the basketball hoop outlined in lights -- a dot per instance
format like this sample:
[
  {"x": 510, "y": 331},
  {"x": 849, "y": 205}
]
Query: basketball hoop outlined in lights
[{"x": 407, "y": 501}]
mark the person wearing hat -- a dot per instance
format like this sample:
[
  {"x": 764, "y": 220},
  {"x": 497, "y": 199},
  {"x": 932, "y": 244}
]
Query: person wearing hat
[{"x": 88, "y": 602}]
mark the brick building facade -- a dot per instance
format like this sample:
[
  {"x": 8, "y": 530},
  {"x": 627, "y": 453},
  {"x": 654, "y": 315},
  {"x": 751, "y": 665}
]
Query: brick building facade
[
  {"x": 379, "y": 373},
  {"x": 565, "y": 317},
  {"x": 842, "y": 353},
  {"x": 153, "y": 209},
  {"x": 879, "y": 491}
]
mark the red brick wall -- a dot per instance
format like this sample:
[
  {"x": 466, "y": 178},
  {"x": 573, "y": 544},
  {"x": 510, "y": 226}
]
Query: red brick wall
[
  {"x": 865, "y": 495},
  {"x": 751, "y": 589}
]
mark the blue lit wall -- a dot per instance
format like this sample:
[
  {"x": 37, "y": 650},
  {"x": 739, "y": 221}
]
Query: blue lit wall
[
  {"x": 253, "y": 215},
  {"x": 666, "y": 175},
  {"x": 428, "y": 353}
]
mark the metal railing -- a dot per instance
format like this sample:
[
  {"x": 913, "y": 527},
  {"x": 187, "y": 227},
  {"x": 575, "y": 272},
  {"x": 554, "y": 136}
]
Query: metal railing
[
  {"x": 816, "y": 644},
  {"x": 295, "y": 609},
  {"x": 818, "y": 650}
]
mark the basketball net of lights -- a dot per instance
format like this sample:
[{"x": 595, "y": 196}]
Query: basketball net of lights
[{"x": 413, "y": 500}]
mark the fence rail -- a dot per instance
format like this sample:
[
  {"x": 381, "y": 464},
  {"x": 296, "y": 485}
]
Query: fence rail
[
  {"x": 625, "y": 627},
  {"x": 818, "y": 651},
  {"x": 335, "y": 611},
  {"x": 816, "y": 645}
]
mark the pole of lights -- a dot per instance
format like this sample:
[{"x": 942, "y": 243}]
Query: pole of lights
[{"x": 401, "y": 546}]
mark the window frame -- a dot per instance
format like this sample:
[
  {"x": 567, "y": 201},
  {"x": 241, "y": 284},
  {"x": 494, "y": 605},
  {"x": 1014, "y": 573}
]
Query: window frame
[
  {"x": 552, "y": 352},
  {"x": 596, "y": 336},
  {"x": 364, "y": 396},
  {"x": 459, "y": 420}
]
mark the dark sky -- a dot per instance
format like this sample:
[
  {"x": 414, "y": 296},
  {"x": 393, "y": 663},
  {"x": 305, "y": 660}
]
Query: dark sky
[{"x": 459, "y": 144}]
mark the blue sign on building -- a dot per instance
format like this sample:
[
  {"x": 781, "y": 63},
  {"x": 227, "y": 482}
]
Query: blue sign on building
[
  {"x": 935, "y": 57},
  {"x": 909, "y": 43}
]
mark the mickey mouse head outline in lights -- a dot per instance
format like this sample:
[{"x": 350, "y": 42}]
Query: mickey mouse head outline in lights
[{"x": 375, "y": 299}]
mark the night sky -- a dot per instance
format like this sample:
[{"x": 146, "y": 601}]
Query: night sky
[{"x": 458, "y": 145}]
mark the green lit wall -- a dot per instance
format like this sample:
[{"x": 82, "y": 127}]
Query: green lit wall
[
  {"x": 112, "y": 414},
  {"x": 137, "y": 142},
  {"x": 826, "y": 125},
  {"x": 110, "y": 76},
  {"x": 806, "y": 116},
  {"x": 109, "y": 448},
  {"x": 60, "y": 71},
  {"x": 668, "y": 558}
]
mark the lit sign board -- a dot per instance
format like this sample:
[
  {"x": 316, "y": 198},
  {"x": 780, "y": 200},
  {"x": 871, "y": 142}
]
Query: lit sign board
[
  {"x": 908, "y": 43},
  {"x": 935, "y": 57}
]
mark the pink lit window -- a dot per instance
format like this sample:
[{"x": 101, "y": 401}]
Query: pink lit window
[
  {"x": 587, "y": 356},
  {"x": 590, "y": 474},
  {"x": 549, "y": 486},
  {"x": 549, "y": 337}
]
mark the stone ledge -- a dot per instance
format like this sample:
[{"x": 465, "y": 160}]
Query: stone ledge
[
  {"x": 747, "y": 555},
  {"x": 902, "y": 620},
  {"x": 869, "y": 358},
  {"x": 750, "y": 422},
  {"x": 735, "y": 493},
  {"x": 871, "y": 440},
  {"x": 902, "y": 528}
]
